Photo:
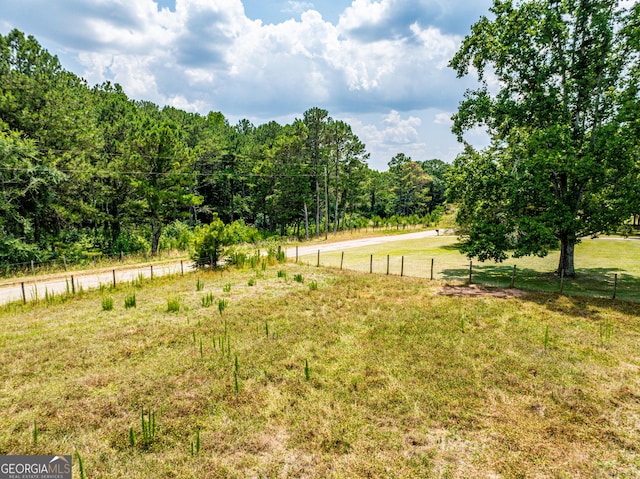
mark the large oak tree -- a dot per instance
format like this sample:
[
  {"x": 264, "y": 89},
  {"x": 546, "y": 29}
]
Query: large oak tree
[{"x": 558, "y": 97}]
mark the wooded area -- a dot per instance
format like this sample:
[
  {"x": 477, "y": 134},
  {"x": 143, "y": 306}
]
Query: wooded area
[{"x": 88, "y": 169}]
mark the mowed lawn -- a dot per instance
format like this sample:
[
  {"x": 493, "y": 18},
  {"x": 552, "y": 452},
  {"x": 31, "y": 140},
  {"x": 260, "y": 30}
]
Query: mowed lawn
[
  {"x": 597, "y": 262},
  {"x": 343, "y": 375}
]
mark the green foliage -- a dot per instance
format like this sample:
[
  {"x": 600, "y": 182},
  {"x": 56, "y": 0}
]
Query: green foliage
[
  {"x": 207, "y": 300},
  {"x": 199, "y": 284},
  {"x": 222, "y": 305},
  {"x": 129, "y": 242},
  {"x": 177, "y": 235},
  {"x": 148, "y": 427},
  {"x": 90, "y": 170},
  {"x": 195, "y": 447},
  {"x": 307, "y": 370},
  {"x": 107, "y": 303},
  {"x": 313, "y": 285},
  {"x": 80, "y": 465},
  {"x": 237, "y": 258},
  {"x": 130, "y": 301},
  {"x": 546, "y": 337},
  {"x": 561, "y": 126},
  {"x": 411, "y": 186},
  {"x": 605, "y": 331},
  {"x": 173, "y": 305},
  {"x": 211, "y": 241},
  {"x": 298, "y": 278}
]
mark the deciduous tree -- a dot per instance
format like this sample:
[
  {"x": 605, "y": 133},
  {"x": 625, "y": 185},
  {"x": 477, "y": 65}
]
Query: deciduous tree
[{"x": 557, "y": 81}]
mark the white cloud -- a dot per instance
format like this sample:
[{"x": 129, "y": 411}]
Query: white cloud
[
  {"x": 443, "y": 118},
  {"x": 297, "y": 8},
  {"x": 364, "y": 13},
  {"x": 384, "y": 57},
  {"x": 399, "y": 131}
]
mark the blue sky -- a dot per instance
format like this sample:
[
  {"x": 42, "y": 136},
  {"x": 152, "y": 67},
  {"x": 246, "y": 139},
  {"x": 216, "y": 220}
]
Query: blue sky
[{"x": 380, "y": 65}]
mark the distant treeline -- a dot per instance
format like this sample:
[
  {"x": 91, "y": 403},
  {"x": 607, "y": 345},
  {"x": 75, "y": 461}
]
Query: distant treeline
[{"x": 87, "y": 169}]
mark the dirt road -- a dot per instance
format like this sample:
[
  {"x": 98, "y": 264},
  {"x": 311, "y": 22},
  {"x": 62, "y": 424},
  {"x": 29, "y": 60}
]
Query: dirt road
[
  {"x": 30, "y": 288},
  {"x": 357, "y": 243}
]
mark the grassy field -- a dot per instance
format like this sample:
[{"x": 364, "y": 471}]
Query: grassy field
[
  {"x": 298, "y": 371},
  {"x": 597, "y": 261}
]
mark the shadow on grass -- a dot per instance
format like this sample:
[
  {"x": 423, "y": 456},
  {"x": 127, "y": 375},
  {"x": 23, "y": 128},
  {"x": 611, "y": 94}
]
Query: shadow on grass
[
  {"x": 451, "y": 247},
  {"x": 588, "y": 282}
]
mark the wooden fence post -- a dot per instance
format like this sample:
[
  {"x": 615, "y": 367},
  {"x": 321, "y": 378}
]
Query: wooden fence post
[
  {"x": 513, "y": 276},
  {"x": 181, "y": 267},
  {"x": 114, "y": 278},
  {"x": 151, "y": 271},
  {"x": 318, "y": 265},
  {"x": 470, "y": 271},
  {"x": 402, "y": 267},
  {"x": 387, "y": 265},
  {"x": 341, "y": 260},
  {"x": 296, "y": 254},
  {"x": 615, "y": 285},
  {"x": 371, "y": 264},
  {"x": 24, "y": 296},
  {"x": 431, "y": 269},
  {"x": 73, "y": 285}
]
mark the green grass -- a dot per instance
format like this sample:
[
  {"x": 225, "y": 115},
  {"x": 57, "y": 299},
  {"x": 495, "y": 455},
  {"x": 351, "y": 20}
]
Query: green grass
[
  {"x": 107, "y": 303},
  {"x": 597, "y": 261},
  {"x": 173, "y": 305},
  {"x": 369, "y": 376},
  {"x": 130, "y": 301}
]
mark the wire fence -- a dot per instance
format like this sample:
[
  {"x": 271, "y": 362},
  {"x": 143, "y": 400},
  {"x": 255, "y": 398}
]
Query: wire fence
[
  {"x": 597, "y": 282},
  {"x": 88, "y": 260},
  {"x": 49, "y": 289}
]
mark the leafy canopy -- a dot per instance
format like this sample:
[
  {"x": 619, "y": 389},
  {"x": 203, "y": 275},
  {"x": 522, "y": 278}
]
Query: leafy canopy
[{"x": 559, "y": 83}]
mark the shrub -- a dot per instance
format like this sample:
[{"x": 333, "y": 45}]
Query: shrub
[
  {"x": 107, "y": 303},
  {"x": 173, "y": 305},
  {"x": 130, "y": 301}
]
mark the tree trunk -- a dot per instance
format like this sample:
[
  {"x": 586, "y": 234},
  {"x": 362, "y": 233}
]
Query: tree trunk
[
  {"x": 326, "y": 201},
  {"x": 567, "y": 248},
  {"x": 156, "y": 232},
  {"x": 317, "y": 207},
  {"x": 306, "y": 221}
]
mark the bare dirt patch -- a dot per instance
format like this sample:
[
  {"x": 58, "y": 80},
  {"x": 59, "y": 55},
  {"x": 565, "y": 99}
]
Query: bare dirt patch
[{"x": 478, "y": 291}]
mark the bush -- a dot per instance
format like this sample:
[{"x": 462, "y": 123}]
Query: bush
[
  {"x": 129, "y": 242},
  {"x": 177, "y": 235},
  {"x": 211, "y": 241}
]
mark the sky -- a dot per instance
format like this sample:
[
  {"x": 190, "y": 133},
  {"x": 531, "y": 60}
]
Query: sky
[{"x": 379, "y": 65}]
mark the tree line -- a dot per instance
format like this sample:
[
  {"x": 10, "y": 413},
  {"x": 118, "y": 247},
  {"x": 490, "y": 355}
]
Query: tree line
[{"x": 85, "y": 168}]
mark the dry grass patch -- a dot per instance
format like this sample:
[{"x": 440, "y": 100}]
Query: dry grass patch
[
  {"x": 478, "y": 291},
  {"x": 402, "y": 381}
]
